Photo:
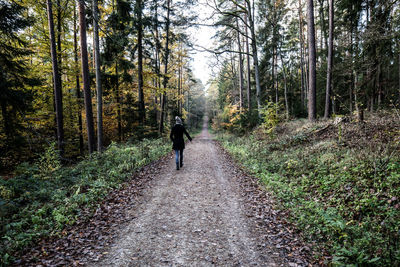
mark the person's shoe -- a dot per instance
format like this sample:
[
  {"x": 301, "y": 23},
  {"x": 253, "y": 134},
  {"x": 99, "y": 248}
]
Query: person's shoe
[
  {"x": 181, "y": 164},
  {"x": 177, "y": 166}
]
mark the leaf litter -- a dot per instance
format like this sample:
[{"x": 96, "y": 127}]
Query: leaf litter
[{"x": 276, "y": 242}]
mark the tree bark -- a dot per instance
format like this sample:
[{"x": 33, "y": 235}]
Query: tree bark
[
  {"x": 56, "y": 81},
  {"x": 379, "y": 84},
  {"x": 78, "y": 87},
  {"x": 180, "y": 80},
  {"x": 285, "y": 88},
  {"x": 118, "y": 100},
  {"x": 330, "y": 62},
  {"x": 302, "y": 92},
  {"x": 98, "y": 77},
  {"x": 255, "y": 56},
  {"x": 165, "y": 80},
  {"x": 248, "y": 69},
  {"x": 85, "y": 76},
  {"x": 59, "y": 49},
  {"x": 273, "y": 75},
  {"x": 240, "y": 68},
  {"x": 312, "y": 111},
  {"x": 157, "y": 61},
  {"x": 139, "y": 10}
]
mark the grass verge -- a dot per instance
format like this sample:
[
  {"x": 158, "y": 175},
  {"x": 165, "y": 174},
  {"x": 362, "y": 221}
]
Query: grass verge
[
  {"x": 45, "y": 197},
  {"x": 343, "y": 197}
]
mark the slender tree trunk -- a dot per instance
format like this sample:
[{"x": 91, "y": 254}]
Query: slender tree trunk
[
  {"x": 273, "y": 74},
  {"x": 352, "y": 79},
  {"x": 139, "y": 10},
  {"x": 255, "y": 56},
  {"x": 285, "y": 88},
  {"x": 98, "y": 77},
  {"x": 312, "y": 111},
  {"x": 379, "y": 84},
  {"x": 59, "y": 49},
  {"x": 276, "y": 79},
  {"x": 330, "y": 62},
  {"x": 85, "y": 76},
  {"x": 157, "y": 61},
  {"x": 323, "y": 26},
  {"x": 56, "y": 81},
  {"x": 78, "y": 87},
  {"x": 179, "y": 86},
  {"x": 248, "y": 69},
  {"x": 399, "y": 84},
  {"x": 180, "y": 80},
  {"x": 165, "y": 80},
  {"x": 302, "y": 92},
  {"x": 241, "y": 86},
  {"x": 118, "y": 99}
]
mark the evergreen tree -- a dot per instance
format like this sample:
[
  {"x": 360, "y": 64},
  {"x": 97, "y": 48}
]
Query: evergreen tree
[{"x": 14, "y": 74}]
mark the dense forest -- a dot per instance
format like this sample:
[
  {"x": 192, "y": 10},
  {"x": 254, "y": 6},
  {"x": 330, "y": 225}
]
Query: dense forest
[
  {"x": 86, "y": 74},
  {"x": 308, "y": 58},
  {"x": 304, "y": 94},
  {"x": 343, "y": 59}
]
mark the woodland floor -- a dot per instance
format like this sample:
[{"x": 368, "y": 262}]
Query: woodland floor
[{"x": 209, "y": 213}]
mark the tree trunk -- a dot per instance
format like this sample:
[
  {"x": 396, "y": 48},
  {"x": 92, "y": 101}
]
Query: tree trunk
[
  {"x": 165, "y": 80},
  {"x": 255, "y": 56},
  {"x": 359, "y": 111},
  {"x": 330, "y": 62},
  {"x": 302, "y": 89},
  {"x": 56, "y": 81},
  {"x": 85, "y": 76},
  {"x": 248, "y": 69},
  {"x": 312, "y": 111},
  {"x": 179, "y": 85},
  {"x": 240, "y": 68},
  {"x": 399, "y": 84},
  {"x": 98, "y": 77},
  {"x": 379, "y": 85},
  {"x": 276, "y": 79},
  {"x": 273, "y": 74},
  {"x": 180, "y": 81},
  {"x": 323, "y": 26},
  {"x": 118, "y": 100},
  {"x": 352, "y": 79},
  {"x": 59, "y": 50},
  {"x": 157, "y": 61},
  {"x": 285, "y": 87},
  {"x": 78, "y": 87},
  {"x": 139, "y": 10}
]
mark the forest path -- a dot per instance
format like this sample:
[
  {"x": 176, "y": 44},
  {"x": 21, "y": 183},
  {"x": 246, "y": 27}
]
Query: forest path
[{"x": 191, "y": 217}]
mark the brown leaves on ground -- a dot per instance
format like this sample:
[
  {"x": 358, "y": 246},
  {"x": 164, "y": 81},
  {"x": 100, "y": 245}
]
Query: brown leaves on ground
[
  {"x": 87, "y": 239},
  {"x": 273, "y": 229}
]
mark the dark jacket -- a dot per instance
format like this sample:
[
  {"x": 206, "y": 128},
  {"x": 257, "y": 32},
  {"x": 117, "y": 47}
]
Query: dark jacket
[{"x": 177, "y": 137}]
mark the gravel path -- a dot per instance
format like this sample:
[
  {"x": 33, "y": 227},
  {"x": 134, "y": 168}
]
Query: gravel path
[{"x": 191, "y": 217}]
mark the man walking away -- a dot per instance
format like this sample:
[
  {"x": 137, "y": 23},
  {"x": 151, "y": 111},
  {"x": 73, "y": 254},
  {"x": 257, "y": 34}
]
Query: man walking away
[{"x": 178, "y": 144}]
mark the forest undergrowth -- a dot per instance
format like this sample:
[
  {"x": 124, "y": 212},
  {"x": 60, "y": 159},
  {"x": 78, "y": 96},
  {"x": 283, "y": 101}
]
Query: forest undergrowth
[
  {"x": 339, "y": 182},
  {"x": 44, "y": 197}
]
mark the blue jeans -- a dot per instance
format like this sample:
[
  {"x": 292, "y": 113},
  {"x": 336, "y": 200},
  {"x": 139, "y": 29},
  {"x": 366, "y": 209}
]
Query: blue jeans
[{"x": 178, "y": 152}]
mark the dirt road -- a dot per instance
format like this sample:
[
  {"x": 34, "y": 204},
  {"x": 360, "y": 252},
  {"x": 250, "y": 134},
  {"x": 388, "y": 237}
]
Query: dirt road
[{"x": 191, "y": 217}]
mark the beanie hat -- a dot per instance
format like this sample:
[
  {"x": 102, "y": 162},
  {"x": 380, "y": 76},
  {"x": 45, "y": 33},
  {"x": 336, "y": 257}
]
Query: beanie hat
[{"x": 178, "y": 120}]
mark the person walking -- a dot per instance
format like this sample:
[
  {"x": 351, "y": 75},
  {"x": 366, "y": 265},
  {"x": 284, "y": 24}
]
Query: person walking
[{"x": 178, "y": 144}]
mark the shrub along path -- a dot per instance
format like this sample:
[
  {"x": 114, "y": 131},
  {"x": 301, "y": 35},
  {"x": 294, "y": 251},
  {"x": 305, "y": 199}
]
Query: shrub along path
[{"x": 208, "y": 213}]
